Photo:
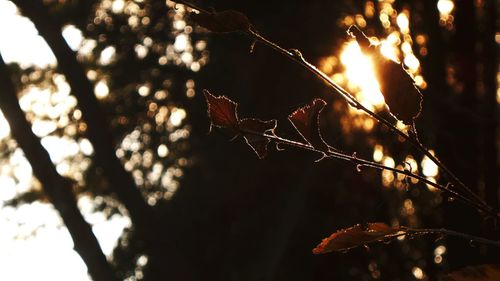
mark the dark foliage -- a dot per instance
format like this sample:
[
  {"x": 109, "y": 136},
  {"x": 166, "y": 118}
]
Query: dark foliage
[{"x": 235, "y": 217}]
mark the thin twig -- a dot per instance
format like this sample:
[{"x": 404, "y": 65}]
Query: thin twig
[
  {"x": 403, "y": 231},
  {"x": 192, "y": 6},
  {"x": 452, "y": 233},
  {"x": 297, "y": 57},
  {"x": 366, "y": 163}
]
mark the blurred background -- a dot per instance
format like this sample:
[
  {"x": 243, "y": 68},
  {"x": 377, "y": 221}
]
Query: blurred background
[{"x": 120, "y": 144}]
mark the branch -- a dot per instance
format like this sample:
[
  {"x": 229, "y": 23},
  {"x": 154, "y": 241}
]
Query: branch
[
  {"x": 97, "y": 132},
  {"x": 444, "y": 231},
  {"x": 357, "y": 235},
  {"x": 297, "y": 57},
  {"x": 217, "y": 19},
  {"x": 57, "y": 188},
  {"x": 192, "y": 6},
  {"x": 360, "y": 162},
  {"x": 258, "y": 133}
]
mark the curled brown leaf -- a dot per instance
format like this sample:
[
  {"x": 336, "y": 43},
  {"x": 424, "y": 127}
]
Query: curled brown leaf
[
  {"x": 306, "y": 122},
  {"x": 223, "y": 114},
  {"x": 355, "y": 236}
]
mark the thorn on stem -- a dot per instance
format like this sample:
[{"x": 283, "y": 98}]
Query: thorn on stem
[
  {"x": 323, "y": 156},
  {"x": 252, "y": 46},
  {"x": 358, "y": 168},
  {"x": 279, "y": 146}
]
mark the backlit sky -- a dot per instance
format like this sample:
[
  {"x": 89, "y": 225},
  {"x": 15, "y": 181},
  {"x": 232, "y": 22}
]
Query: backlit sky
[{"x": 35, "y": 244}]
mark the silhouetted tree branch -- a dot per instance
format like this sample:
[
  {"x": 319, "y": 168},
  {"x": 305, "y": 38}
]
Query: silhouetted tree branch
[
  {"x": 57, "y": 188},
  {"x": 98, "y": 132}
]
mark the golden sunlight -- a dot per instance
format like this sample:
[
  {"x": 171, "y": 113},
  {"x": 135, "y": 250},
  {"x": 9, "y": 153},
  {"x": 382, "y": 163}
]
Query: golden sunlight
[
  {"x": 403, "y": 22},
  {"x": 101, "y": 89},
  {"x": 378, "y": 153},
  {"x": 446, "y": 8},
  {"x": 429, "y": 168},
  {"x": 354, "y": 71},
  {"x": 498, "y": 88},
  {"x": 360, "y": 75}
]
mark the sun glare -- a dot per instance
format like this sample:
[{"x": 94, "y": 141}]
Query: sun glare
[
  {"x": 359, "y": 73},
  {"x": 446, "y": 8},
  {"x": 354, "y": 71},
  {"x": 429, "y": 168}
]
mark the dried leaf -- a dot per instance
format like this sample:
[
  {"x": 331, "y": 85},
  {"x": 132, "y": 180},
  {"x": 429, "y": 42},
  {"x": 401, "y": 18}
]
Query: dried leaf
[
  {"x": 306, "y": 122},
  {"x": 356, "y": 236},
  {"x": 397, "y": 86},
  {"x": 221, "y": 111},
  {"x": 225, "y": 21},
  {"x": 400, "y": 93},
  {"x": 485, "y": 272},
  {"x": 253, "y": 129}
]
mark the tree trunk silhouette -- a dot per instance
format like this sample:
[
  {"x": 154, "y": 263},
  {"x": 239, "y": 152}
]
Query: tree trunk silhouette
[
  {"x": 98, "y": 132},
  {"x": 145, "y": 220},
  {"x": 57, "y": 188}
]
